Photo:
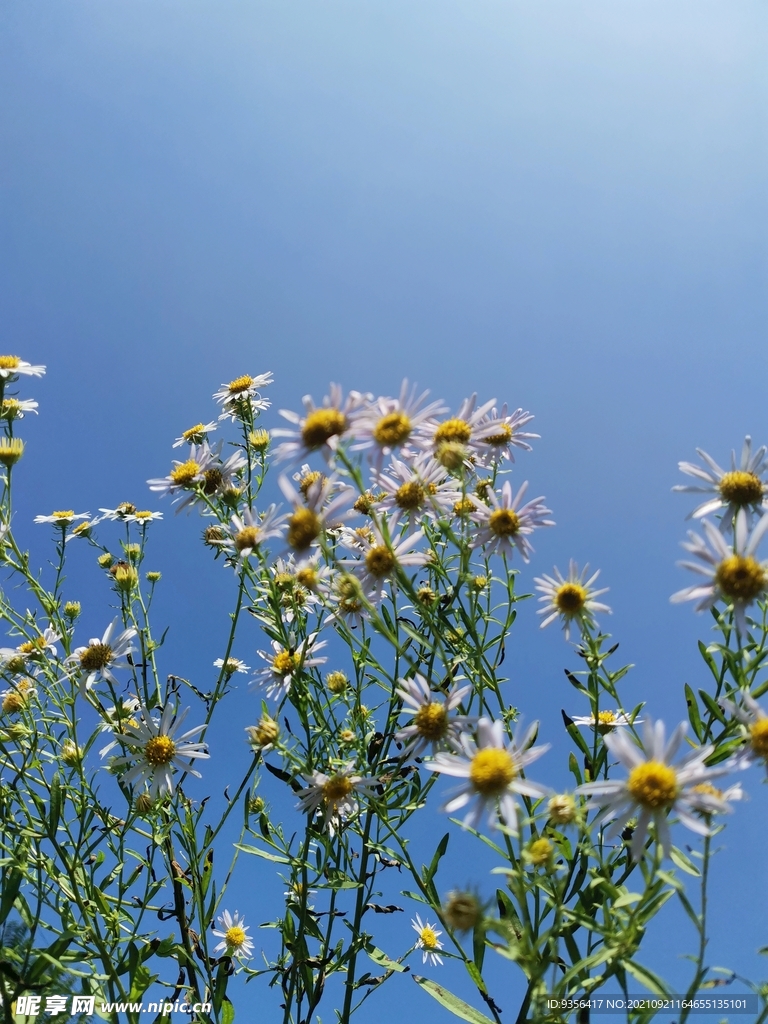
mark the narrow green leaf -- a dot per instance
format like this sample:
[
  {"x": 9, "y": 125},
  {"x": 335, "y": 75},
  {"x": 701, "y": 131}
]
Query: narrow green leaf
[
  {"x": 451, "y": 1002},
  {"x": 693, "y": 713},
  {"x": 627, "y": 898},
  {"x": 683, "y": 862},
  {"x": 646, "y": 977},
  {"x": 54, "y": 811},
  {"x": 712, "y": 707},
  {"x": 227, "y": 1012},
  {"x": 262, "y": 853},
  {"x": 430, "y": 872},
  {"x": 381, "y": 959}
]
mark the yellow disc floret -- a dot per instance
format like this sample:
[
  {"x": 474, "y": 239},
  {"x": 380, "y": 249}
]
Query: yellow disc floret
[
  {"x": 240, "y": 384},
  {"x": 431, "y": 720},
  {"x": 321, "y": 425},
  {"x": 96, "y": 657},
  {"x": 570, "y": 598},
  {"x": 653, "y": 785},
  {"x": 196, "y": 434},
  {"x": 9, "y": 362},
  {"x": 741, "y": 488},
  {"x": 454, "y": 430},
  {"x": 234, "y": 936},
  {"x": 379, "y": 560},
  {"x": 246, "y": 538},
  {"x": 159, "y": 751},
  {"x": 758, "y": 736},
  {"x": 336, "y": 789},
  {"x": 303, "y": 528},
  {"x": 410, "y": 496},
  {"x": 284, "y": 663},
  {"x": 503, "y": 522},
  {"x": 503, "y": 437},
  {"x": 392, "y": 429},
  {"x": 428, "y": 938},
  {"x": 11, "y": 450},
  {"x": 741, "y": 577},
  {"x": 540, "y": 852},
  {"x": 185, "y": 473},
  {"x": 491, "y": 771}
]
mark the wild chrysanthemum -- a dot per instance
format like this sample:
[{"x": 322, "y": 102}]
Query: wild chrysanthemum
[
  {"x": 12, "y": 366},
  {"x": 742, "y": 487},
  {"x": 432, "y": 722},
  {"x": 571, "y": 597},
  {"x": 231, "y": 665},
  {"x": 428, "y": 941},
  {"x": 241, "y": 396},
  {"x": 126, "y": 512},
  {"x": 16, "y": 408},
  {"x": 335, "y": 795},
  {"x": 606, "y": 721},
  {"x": 754, "y": 727},
  {"x": 251, "y": 529},
  {"x": 462, "y": 433},
  {"x": 102, "y": 657},
  {"x": 63, "y": 518},
  {"x": 505, "y": 524},
  {"x": 282, "y": 664},
  {"x": 316, "y": 510},
  {"x": 195, "y": 435},
  {"x": 186, "y": 474},
  {"x": 654, "y": 787},
  {"x": 233, "y": 933},
  {"x": 38, "y": 646},
  {"x": 156, "y": 750},
  {"x": 321, "y": 427},
  {"x": 733, "y": 574},
  {"x": 505, "y": 435},
  {"x": 492, "y": 768},
  {"x": 382, "y": 559},
  {"x": 388, "y": 424},
  {"x": 18, "y": 697},
  {"x": 410, "y": 490},
  {"x": 216, "y": 479}
]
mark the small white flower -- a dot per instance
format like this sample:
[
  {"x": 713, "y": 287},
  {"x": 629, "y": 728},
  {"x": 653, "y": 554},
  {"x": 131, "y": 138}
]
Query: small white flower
[
  {"x": 63, "y": 519},
  {"x": 570, "y": 597},
  {"x": 505, "y": 435},
  {"x": 12, "y": 366},
  {"x": 505, "y": 524},
  {"x": 431, "y": 718},
  {"x": 606, "y": 720},
  {"x": 236, "y": 941},
  {"x": 733, "y": 574},
  {"x": 321, "y": 427},
  {"x": 232, "y": 665},
  {"x": 754, "y": 722},
  {"x": 43, "y": 643},
  {"x": 102, "y": 657},
  {"x": 16, "y": 408},
  {"x": 655, "y": 787},
  {"x": 427, "y": 941},
  {"x": 467, "y": 430},
  {"x": 126, "y": 512},
  {"x": 186, "y": 475},
  {"x": 742, "y": 487},
  {"x": 116, "y": 718},
  {"x": 492, "y": 768},
  {"x": 381, "y": 559},
  {"x": 388, "y": 424},
  {"x": 317, "y": 510},
  {"x": 156, "y": 749},
  {"x": 241, "y": 396},
  {"x": 413, "y": 489},
  {"x": 335, "y": 795},
  {"x": 217, "y": 477},
  {"x": 195, "y": 435},
  {"x": 284, "y": 662},
  {"x": 250, "y": 530}
]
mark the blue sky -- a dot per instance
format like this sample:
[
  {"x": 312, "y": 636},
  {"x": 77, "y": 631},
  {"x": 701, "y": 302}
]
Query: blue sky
[{"x": 559, "y": 204}]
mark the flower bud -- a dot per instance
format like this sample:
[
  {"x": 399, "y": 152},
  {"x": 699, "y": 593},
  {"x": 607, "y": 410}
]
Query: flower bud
[{"x": 336, "y": 682}]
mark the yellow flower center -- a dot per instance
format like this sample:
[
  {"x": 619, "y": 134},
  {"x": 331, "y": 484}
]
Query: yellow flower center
[
  {"x": 144, "y": 514},
  {"x": 126, "y": 508},
  {"x": 570, "y": 598},
  {"x": 65, "y": 514},
  {"x": 240, "y": 384},
  {"x": 463, "y": 508},
  {"x": 212, "y": 480},
  {"x": 741, "y": 488},
  {"x": 336, "y": 789},
  {"x": 503, "y": 522},
  {"x": 248, "y": 537},
  {"x": 336, "y": 682},
  {"x": 308, "y": 479},
  {"x": 503, "y": 437},
  {"x": 491, "y": 771},
  {"x": 159, "y": 751},
  {"x": 758, "y": 736},
  {"x": 33, "y": 646},
  {"x": 11, "y": 450},
  {"x": 303, "y": 528},
  {"x": 410, "y": 496},
  {"x": 562, "y": 809},
  {"x": 379, "y": 561},
  {"x": 741, "y": 578},
  {"x": 234, "y": 936},
  {"x": 284, "y": 663},
  {"x": 95, "y": 657},
  {"x": 9, "y": 362},
  {"x": 392, "y": 429},
  {"x": 308, "y": 577},
  {"x": 321, "y": 425},
  {"x": 184, "y": 474},
  {"x": 350, "y": 595},
  {"x": 10, "y": 408},
  {"x": 196, "y": 434},
  {"x": 428, "y": 938},
  {"x": 13, "y": 701},
  {"x": 540, "y": 851},
  {"x": 364, "y": 503},
  {"x": 431, "y": 720},
  {"x": 707, "y": 789},
  {"x": 452, "y": 431},
  {"x": 653, "y": 784}
]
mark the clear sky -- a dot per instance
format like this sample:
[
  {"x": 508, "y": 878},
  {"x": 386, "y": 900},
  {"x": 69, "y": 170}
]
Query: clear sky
[{"x": 561, "y": 204}]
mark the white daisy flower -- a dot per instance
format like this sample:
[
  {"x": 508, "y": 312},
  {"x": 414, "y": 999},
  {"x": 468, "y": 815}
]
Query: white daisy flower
[
  {"x": 427, "y": 941},
  {"x": 742, "y": 487},
  {"x": 350, "y": 603},
  {"x": 284, "y": 662},
  {"x": 570, "y": 597},
  {"x": 241, "y": 395},
  {"x": 231, "y": 665},
  {"x": 606, "y": 721},
  {"x": 505, "y": 524},
  {"x": 754, "y": 722},
  {"x": 250, "y": 530},
  {"x": 321, "y": 427},
  {"x": 40, "y": 645},
  {"x": 335, "y": 796},
  {"x": 296, "y": 894},
  {"x": 463, "y": 433},
  {"x": 315, "y": 511},
  {"x": 654, "y": 787},
  {"x": 116, "y": 718},
  {"x": 217, "y": 478},
  {"x": 126, "y": 512},
  {"x": 156, "y": 749},
  {"x": 506, "y": 435},
  {"x": 492, "y": 768},
  {"x": 16, "y": 408},
  {"x": 431, "y": 718},
  {"x": 195, "y": 435},
  {"x": 12, "y": 366},
  {"x": 185, "y": 475},
  {"x": 381, "y": 559},
  {"x": 711, "y": 800},
  {"x": 387, "y": 424},
  {"x": 413, "y": 489},
  {"x": 733, "y": 574},
  {"x": 102, "y": 657},
  {"x": 63, "y": 518},
  {"x": 236, "y": 941},
  {"x": 18, "y": 697}
]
